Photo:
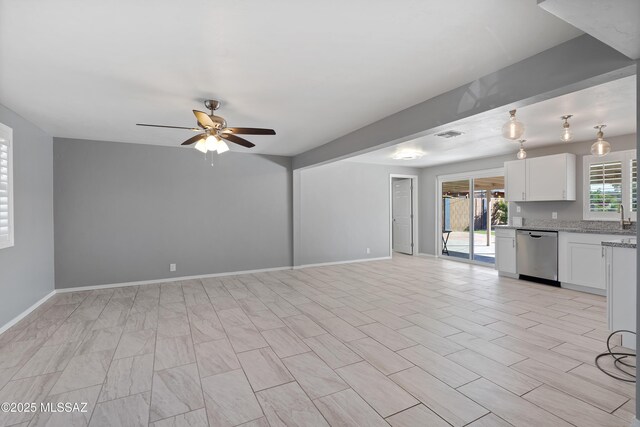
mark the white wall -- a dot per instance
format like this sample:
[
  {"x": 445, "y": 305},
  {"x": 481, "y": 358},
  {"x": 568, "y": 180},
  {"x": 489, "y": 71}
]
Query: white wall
[
  {"x": 340, "y": 210},
  {"x": 26, "y": 269},
  {"x": 530, "y": 210}
]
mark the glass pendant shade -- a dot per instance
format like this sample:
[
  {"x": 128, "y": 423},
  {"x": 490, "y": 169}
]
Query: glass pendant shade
[
  {"x": 201, "y": 146},
  {"x": 221, "y": 146},
  {"x": 211, "y": 142},
  {"x": 566, "y": 136},
  {"x": 601, "y": 147},
  {"x": 521, "y": 153},
  {"x": 513, "y": 129}
]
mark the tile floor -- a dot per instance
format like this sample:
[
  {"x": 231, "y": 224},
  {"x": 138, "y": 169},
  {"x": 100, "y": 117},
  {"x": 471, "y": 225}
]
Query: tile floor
[{"x": 411, "y": 341}]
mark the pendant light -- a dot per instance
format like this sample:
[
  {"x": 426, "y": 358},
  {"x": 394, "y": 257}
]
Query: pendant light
[
  {"x": 522, "y": 154},
  {"x": 567, "y": 136},
  {"x": 601, "y": 147},
  {"x": 513, "y": 129}
]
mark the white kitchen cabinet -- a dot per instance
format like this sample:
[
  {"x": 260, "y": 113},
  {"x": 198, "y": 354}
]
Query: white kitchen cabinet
[
  {"x": 581, "y": 261},
  {"x": 546, "y": 178},
  {"x": 620, "y": 267},
  {"x": 515, "y": 173},
  {"x": 551, "y": 177},
  {"x": 506, "y": 252}
]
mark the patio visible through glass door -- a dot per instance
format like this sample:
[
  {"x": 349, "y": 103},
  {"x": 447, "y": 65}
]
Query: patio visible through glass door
[
  {"x": 456, "y": 218},
  {"x": 489, "y": 209},
  {"x": 470, "y": 209}
]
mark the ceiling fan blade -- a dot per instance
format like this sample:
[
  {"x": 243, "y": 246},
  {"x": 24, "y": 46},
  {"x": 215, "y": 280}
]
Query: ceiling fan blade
[
  {"x": 194, "y": 139},
  {"x": 250, "y": 131},
  {"x": 237, "y": 140},
  {"x": 169, "y": 127},
  {"x": 204, "y": 119}
]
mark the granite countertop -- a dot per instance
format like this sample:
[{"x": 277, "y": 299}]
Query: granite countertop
[
  {"x": 569, "y": 226},
  {"x": 570, "y": 229},
  {"x": 629, "y": 243}
]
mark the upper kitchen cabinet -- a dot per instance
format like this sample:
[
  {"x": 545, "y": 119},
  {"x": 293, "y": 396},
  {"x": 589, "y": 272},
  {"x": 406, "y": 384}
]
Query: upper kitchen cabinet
[
  {"x": 546, "y": 178},
  {"x": 515, "y": 180},
  {"x": 551, "y": 177}
]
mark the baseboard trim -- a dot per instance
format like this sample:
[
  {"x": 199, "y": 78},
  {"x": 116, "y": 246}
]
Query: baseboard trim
[
  {"x": 351, "y": 261},
  {"x": 587, "y": 289},
  {"x": 424, "y": 254},
  {"x": 25, "y": 313},
  {"x": 169, "y": 279}
]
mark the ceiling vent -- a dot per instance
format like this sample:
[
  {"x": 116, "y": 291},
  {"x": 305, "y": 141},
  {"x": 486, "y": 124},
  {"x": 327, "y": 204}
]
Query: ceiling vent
[{"x": 450, "y": 134}]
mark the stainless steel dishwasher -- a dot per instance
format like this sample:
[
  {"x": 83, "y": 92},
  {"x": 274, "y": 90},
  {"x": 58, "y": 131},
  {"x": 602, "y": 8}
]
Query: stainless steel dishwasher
[{"x": 537, "y": 254}]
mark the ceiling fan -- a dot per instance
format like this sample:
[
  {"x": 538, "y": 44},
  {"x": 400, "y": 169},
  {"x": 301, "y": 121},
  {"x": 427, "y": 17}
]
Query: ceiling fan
[{"x": 213, "y": 129}]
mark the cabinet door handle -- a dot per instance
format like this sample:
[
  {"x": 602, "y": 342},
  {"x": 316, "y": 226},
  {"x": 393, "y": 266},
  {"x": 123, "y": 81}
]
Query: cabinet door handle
[
  {"x": 513, "y": 243},
  {"x": 564, "y": 194},
  {"x": 523, "y": 195}
]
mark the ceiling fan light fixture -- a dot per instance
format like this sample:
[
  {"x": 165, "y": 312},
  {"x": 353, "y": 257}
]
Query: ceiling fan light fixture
[
  {"x": 600, "y": 148},
  {"x": 566, "y": 136},
  {"x": 211, "y": 142},
  {"x": 221, "y": 146},
  {"x": 201, "y": 146},
  {"x": 513, "y": 129}
]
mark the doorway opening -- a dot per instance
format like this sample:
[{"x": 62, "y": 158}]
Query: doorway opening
[
  {"x": 470, "y": 205},
  {"x": 403, "y": 214}
]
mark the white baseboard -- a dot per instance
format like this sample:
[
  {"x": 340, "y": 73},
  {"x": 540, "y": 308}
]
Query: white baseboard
[
  {"x": 322, "y": 264},
  {"x": 168, "y": 279},
  {"x": 635, "y": 423},
  {"x": 25, "y": 313},
  {"x": 424, "y": 254},
  {"x": 587, "y": 289}
]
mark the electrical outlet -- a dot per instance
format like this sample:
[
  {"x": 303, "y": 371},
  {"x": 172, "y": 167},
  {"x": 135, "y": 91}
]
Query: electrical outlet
[
  {"x": 172, "y": 267},
  {"x": 554, "y": 215},
  {"x": 517, "y": 209},
  {"x": 368, "y": 250}
]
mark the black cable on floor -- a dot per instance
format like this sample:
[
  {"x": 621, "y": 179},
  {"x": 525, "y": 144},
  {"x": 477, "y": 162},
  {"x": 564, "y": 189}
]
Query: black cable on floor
[{"x": 618, "y": 360}]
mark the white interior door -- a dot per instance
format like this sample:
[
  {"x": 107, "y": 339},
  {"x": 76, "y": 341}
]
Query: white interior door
[{"x": 402, "y": 216}]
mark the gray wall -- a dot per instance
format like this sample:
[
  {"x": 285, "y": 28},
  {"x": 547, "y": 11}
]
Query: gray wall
[
  {"x": 531, "y": 210},
  {"x": 26, "y": 269},
  {"x": 342, "y": 209},
  {"x": 124, "y": 212}
]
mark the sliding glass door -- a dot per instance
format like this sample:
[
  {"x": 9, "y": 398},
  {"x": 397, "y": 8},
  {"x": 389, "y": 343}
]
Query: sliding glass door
[
  {"x": 456, "y": 218},
  {"x": 470, "y": 208}
]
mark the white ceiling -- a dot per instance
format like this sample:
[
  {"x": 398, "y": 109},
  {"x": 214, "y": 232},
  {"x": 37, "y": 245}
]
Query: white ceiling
[
  {"x": 613, "y": 104},
  {"x": 313, "y": 71}
]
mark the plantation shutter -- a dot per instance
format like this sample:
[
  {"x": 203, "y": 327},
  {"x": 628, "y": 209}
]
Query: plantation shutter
[
  {"x": 605, "y": 186},
  {"x": 634, "y": 186},
  {"x": 5, "y": 197}
]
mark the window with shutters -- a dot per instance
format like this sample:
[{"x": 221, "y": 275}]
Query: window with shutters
[
  {"x": 610, "y": 185},
  {"x": 634, "y": 186},
  {"x": 6, "y": 187}
]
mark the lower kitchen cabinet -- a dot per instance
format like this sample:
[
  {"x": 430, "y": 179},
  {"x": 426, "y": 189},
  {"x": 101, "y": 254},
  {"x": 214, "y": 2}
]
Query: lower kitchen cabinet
[
  {"x": 620, "y": 275},
  {"x": 506, "y": 252},
  {"x": 581, "y": 262}
]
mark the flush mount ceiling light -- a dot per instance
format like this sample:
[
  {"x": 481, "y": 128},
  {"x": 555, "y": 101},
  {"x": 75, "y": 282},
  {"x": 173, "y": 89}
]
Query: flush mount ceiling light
[
  {"x": 567, "y": 136},
  {"x": 407, "y": 155},
  {"x": 513, "y": 129},
  {"x": 522, "y": 154},
  {"x": 601, "y": 147}
]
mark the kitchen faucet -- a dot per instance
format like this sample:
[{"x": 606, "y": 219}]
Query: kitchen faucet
[{"x": 624, "y": 224}]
